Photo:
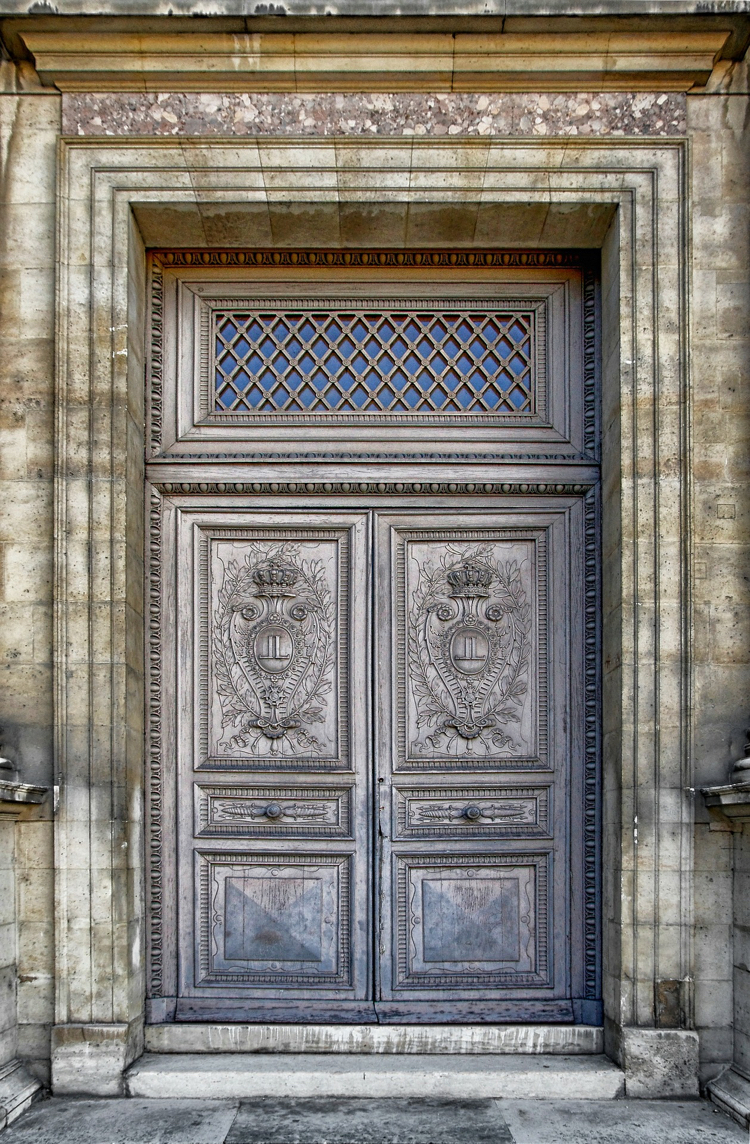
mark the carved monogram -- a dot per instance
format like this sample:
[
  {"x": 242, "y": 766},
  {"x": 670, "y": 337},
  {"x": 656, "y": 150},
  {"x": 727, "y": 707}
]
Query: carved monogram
[
  {"x": 469, "y": 634},
  {"x": 274, "y": 652}
]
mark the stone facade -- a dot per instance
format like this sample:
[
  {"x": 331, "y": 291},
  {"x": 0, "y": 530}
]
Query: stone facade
[{"x": 659, "y": 180}]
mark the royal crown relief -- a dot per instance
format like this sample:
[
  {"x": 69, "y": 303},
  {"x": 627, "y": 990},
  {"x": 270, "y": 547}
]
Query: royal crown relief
[
  {"x": 470, "y": 655},
  {"x": 274, "y": 654}
]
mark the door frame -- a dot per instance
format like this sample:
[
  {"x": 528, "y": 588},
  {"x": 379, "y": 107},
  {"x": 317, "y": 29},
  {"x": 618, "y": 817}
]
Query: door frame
[{"x": 112, "y": 194}]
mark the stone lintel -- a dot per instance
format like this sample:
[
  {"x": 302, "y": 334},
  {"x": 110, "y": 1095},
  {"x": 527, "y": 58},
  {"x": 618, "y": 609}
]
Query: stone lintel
[
  {"x": 91, "y": 1059},
  {"x": 390, "y": 62}
]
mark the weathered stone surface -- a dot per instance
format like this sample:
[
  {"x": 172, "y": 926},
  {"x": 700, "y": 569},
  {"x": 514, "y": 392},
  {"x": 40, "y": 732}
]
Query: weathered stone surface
[
  {"x": 416, "y": 1121},
  {"x": 721, "y": 419},
  {"x": 89, "y": 1060},
  {"x": 621, "y": 1122},
  {"x": 731, "y": 1091},
  {"x": 134, "y": 1121},
  {"x": 211, "y": 1038},
  {"x": 659, "y": 1061},
  {"x": 334, "y": 1121},
  {"x": 17, "y": 1090}
]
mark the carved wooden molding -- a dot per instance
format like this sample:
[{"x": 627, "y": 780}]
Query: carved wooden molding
[
  {"x": 385, "y": 488},
  {"x": 402, "y": 259}
]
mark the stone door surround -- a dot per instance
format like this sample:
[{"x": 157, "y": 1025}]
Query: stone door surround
[{"x": 113, "y": 191}]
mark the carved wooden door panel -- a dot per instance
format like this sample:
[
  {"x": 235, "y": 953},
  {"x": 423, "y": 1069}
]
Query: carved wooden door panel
[
  {"x": 479, "y": 629},
  {"x": 273, "y": 764}
]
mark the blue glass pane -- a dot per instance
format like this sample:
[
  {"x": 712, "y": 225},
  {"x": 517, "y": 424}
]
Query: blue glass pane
[{"x": 461, "y": 362}]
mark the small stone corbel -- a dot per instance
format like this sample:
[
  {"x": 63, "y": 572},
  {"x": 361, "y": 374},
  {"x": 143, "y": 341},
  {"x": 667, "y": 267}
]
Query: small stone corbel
[
  {"x": 7, "y": 769},
  {"x": 740, "y": 771},
  {"x": 729, "y": 805},
  {"x": 16, "y": 797}
]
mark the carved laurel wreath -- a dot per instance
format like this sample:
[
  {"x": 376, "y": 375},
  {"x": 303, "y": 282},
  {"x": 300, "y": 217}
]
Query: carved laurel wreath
[
  {"x": 265, "y": 708},
  {"x": 469, "y": 713}
]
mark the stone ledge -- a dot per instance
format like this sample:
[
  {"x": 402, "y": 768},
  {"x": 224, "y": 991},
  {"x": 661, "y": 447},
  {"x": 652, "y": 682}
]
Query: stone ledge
[
  {"x": 731, "y": 1092},
  {"x": 16, "y": 798},
  {"x": 17, "y": 1090},
  {"x": 731, "y": 801}
]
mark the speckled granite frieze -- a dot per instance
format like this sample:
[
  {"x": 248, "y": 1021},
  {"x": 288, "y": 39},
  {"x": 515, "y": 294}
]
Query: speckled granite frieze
[{"x": 177, "y": 113}]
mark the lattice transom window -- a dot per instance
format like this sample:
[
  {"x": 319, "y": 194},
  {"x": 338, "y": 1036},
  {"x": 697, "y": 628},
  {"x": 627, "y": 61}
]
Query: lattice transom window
[{"x": 458, "y": 361}]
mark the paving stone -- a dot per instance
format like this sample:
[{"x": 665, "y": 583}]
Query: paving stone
[
  {"x": 118, "y": 1121},
  {"x": 398, "y": 1121},
  {"x": 619, "y": 1122}
]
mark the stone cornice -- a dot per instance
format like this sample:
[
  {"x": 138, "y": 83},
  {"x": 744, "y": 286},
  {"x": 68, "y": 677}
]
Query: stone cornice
[
  {"x": 386, "y": 62},
  {"x": 16, "y": 798},
  {"x": 731, "y": 800}
]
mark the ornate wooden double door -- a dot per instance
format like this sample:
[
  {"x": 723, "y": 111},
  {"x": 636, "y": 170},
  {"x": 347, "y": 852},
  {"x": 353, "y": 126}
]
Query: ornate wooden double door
[{"x": 373, "y": 717}]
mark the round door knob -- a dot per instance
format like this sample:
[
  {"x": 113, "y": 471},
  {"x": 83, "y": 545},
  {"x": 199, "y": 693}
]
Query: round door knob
[
  {"x": 472, "y": 813},
  {"x": 273, "y": 810}
]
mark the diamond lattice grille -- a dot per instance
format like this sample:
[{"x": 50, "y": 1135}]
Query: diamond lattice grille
[{"x": 363, "y": 362}]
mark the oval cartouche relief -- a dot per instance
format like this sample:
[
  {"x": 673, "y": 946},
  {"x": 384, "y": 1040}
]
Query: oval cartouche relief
[
  {"x": 469, "y": 650},
  {"x": 273, "y": 648}
]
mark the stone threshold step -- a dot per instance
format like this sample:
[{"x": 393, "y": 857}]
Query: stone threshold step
[
  {"x": 227, "y": 1076},
  {"x": 216, "y": 1038}
]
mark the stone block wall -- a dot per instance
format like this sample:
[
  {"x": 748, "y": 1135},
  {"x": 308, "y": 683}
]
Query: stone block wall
[
  {"x": 8, "y": 931},
  {"x": 29, "y": 127},
  {"x": 719, "y": 129}
]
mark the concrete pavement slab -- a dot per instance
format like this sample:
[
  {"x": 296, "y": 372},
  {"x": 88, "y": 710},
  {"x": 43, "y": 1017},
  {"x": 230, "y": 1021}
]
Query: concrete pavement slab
[
  {"x": 326, "y": 1120},
  {"x": 397, "y": 1121},
  {"x": 67, "y": 1120},
  {"x": 619, "y": 1122}
]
